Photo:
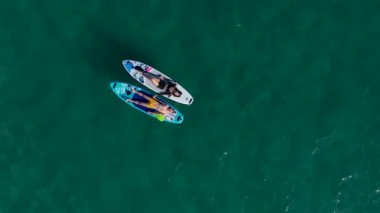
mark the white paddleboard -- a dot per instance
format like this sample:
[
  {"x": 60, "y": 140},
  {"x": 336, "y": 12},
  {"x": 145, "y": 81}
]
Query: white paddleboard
[{"x": 131, "y": 67}]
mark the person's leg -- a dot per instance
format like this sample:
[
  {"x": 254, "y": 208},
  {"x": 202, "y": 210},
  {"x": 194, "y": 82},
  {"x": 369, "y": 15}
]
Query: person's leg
[
  {"x": 159, "y": 101},
  {"x": 142, "y": 95},
  {"x": 155, "y": 81},
  {"x": 150, "y": 76},
  {"x": 136, "y": 102}
]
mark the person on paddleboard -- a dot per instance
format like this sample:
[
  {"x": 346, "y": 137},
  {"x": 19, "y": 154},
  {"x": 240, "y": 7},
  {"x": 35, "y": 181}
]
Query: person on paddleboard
[
  {"x": 169, "y": 86},
  {"x": 152, "y": 103}
]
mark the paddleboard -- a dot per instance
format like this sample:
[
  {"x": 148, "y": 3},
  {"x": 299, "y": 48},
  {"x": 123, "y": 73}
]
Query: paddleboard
[
  {"x": 136, "y": 69},
  {"x": 125, "y": 91}
]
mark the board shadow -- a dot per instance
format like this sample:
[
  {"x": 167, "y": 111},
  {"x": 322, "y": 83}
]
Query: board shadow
[{"x": 106, "y": 52}]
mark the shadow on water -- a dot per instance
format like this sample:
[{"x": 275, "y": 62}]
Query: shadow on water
[{"x": 105, "y": 53}]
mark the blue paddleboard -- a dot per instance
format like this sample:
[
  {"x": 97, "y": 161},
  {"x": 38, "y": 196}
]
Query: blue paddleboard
[{"x": 124, "y": 92}]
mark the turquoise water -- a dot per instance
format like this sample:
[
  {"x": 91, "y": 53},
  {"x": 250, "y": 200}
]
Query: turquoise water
[{"x": 285, "y": 119}]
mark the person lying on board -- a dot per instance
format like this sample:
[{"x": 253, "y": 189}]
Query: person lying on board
[
  {"x": 169, "y": 86},
  {"x": 152, "y": 103}
]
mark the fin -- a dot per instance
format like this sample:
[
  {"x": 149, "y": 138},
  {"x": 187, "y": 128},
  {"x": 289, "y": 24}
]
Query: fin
[{"x": 179, "y": 119}]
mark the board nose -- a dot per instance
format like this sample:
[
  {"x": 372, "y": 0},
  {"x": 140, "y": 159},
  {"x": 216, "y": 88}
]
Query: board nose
[{"x": 113, "y": 85}]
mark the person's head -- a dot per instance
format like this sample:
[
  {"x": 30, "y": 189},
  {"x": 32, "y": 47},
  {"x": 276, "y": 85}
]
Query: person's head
[
  {"x": 177, "y": 93},
  {"x": 169, "y": 109},
  {"x": 174, "y": 91}
]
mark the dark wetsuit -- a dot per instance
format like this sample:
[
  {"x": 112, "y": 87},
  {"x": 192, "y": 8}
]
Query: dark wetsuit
[
  {"x": 162, "y": 84},
  {"x": 166, "y": 85}
]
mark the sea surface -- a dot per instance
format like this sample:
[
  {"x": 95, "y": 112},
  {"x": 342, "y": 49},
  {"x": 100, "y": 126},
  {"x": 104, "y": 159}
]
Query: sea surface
[{"x": 286, "y": 116}]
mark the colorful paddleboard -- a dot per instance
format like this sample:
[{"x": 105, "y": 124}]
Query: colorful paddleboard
[
  {"x": 128, "y": 92},
  {"x": 136, "y": 70}
]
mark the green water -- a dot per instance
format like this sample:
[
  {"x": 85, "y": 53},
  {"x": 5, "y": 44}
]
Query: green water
[{"x": 285, "y": 119}]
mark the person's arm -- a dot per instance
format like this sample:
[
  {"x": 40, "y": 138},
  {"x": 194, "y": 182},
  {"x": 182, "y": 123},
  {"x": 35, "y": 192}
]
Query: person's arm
[
  {"x": 136, "y": 102},
  {"x": 168, "y": 80},
  {"x": 155, "y": 97},
  {"x": 150, "y": 75},
  {"x": 140, "y": 94},
  {"x": 161, "y": 93},
  {"x": 164, "y": 93}
]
